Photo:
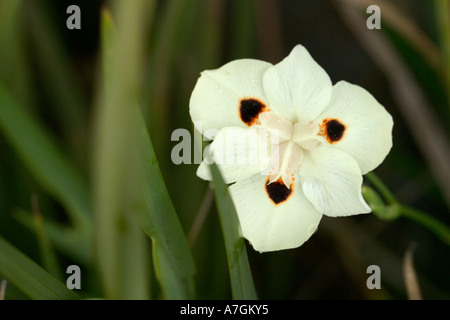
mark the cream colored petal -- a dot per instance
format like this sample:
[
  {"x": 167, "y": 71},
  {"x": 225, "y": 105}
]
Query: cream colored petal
[
  {"x": 297, "y": 88},
  {"x": 331, "y": 180},
  {"x": 215, "y": 100},
  {"x": 368, "y": 133},
  {"x": 269, "y": 226},
  {"x": 238, "y": 153}
]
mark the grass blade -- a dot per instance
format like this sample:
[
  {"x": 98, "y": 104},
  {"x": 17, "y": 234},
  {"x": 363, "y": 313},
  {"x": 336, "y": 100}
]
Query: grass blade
[
  {"x": 44, "y": 160},
  {"x": 442, "y": 8},
  {"x": 242, "y": 286},
  {"x": 47, "y": 253},
  {"x": 14, "y": 65},
  {"x": 172, "y": 257},
  {"x": 65, "y": 239},
  {"x": 29, "y": 277},
  {"x": 122, "y": 254},
  {"x": 155, "y": 100},
  {"x": 68, "y": 100}
]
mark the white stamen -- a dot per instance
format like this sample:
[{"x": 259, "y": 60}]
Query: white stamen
[
  {"x": 278, "y": 126},
  {"x": 290, "y": 158},
  {"x": 293, "y": 140}
]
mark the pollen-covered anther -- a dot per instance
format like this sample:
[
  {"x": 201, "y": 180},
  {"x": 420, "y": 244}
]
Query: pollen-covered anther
[
  {"x": 249, "y": 110},
  {"x": 278, "y": 192},
  {"x": 333, "y": 130}
]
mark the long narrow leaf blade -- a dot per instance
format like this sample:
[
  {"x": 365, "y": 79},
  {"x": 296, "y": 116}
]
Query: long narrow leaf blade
[
  {"x": 122, "y": 254},
  {"x": 30, "y": 277},
  {"x": 65, "y": 239},
  {"x": 43, "y": 159},
  {"x": 173, "y": 260},
  {"x": 242, "y": 285}
]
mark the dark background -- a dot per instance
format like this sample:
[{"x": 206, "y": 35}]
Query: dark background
[{"x": 207, "y": 34}]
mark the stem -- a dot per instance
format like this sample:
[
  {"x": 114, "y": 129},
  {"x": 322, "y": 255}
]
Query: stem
[
  {"x": 441, "y": 230},
  {"x": 201, "y": 216},
  {"x": 438, "y": 228},
  {"x": 377, "y": 183}
]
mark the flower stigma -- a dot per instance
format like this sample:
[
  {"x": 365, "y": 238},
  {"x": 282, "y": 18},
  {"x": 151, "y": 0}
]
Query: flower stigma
[{"x": 293, "y": 139}]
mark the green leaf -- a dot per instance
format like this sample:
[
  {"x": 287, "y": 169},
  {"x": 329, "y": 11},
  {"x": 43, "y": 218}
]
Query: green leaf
[
  {"x": 65, "y": 239},
  {"x": 44, "y": 160},
  {"x": 30, "y": 277},
  {"x": 14, "y": 62},
  {"x": 46, "y": 250},
  {"x": 67, "y": 100},
  {"x": 172, "y": 257},
  {"x": 242, "y": 286},
  {"x": 147, "y": 194},
  {"x": 122, "y": 254},
  {"x": 166, "y": 43},
  {"x": 442, "y": 9}
]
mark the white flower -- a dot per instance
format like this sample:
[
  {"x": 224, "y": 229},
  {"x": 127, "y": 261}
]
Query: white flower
[{"x": 326, "y": 138}]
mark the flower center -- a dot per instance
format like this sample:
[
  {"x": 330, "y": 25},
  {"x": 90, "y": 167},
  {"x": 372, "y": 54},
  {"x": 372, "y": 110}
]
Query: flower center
[{"x": 293, "y": 140}]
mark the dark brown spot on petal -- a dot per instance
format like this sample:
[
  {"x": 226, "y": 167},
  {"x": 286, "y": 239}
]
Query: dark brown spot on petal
[
  {"x": 278, "y": 192},
  {"x": 249, "y": 110},
  {"x": 333, "y": 130}
]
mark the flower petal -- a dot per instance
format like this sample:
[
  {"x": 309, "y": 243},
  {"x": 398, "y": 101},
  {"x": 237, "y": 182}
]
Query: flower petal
[
  {"x": 270, "y": 226},
  {"x": 331, "y": 180},
  {"x": 297, "y": 88},
  {"x": 238, "y": 153},
  {"x": 215, "y": 101},
  {"x": 368, "y": 132}
]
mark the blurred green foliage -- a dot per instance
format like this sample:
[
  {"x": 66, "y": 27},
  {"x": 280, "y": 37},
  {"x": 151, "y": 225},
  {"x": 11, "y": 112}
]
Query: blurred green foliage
[{"x": 51, "y": 86}]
